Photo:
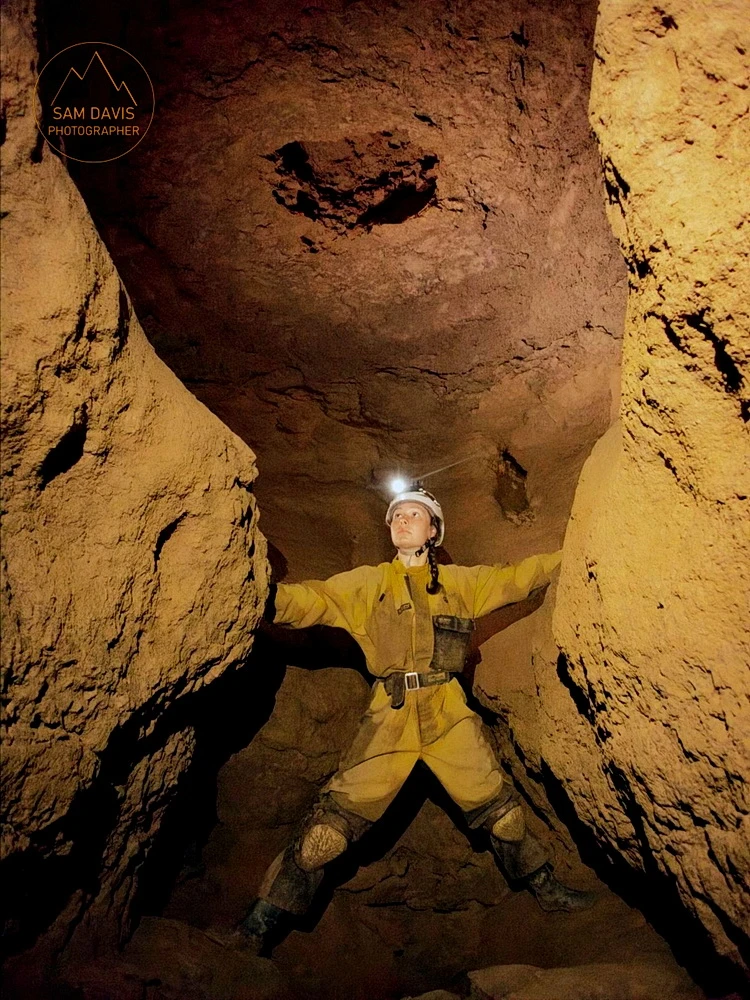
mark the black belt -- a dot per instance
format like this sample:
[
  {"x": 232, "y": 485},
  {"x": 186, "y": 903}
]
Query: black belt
[{"x": 399, "y": 682}]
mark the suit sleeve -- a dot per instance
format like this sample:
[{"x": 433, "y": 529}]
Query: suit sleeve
[
  {"x": 340, "y": 601},
  {"x": 496, "y": 586}
]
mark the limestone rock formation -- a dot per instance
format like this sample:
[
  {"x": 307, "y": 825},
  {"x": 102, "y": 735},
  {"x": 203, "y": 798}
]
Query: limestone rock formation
[
  {"x": 133, "y": 569},
  {"x": 652, "y": 608},
  {"x": 604, "y": 981}
]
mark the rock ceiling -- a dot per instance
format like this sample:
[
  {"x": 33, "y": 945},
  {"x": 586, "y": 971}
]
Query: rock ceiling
[{"x": 371, "y": 238}]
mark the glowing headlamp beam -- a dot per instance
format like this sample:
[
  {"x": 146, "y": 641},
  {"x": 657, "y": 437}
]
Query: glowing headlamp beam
[
  {"x": 426, "y": 475},
  {"x": 400, "y": 485}
]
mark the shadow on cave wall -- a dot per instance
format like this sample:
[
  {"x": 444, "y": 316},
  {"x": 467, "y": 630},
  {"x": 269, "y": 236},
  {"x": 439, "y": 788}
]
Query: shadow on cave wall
[
  {"x": 648, "y": 891},
  {"x": 226, "y": 717}
]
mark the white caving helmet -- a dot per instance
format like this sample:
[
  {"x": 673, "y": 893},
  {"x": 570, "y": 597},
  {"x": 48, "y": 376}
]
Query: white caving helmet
[{"x": 418, "y": 495}]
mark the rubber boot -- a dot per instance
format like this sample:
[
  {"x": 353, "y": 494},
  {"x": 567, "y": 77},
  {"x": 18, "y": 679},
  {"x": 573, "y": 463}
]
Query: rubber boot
[
  {"x": 553, "y": 895},
  {"x": 258, "y": 926}
]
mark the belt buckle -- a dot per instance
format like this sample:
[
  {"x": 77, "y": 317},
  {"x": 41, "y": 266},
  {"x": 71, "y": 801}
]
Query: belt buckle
[{"x": 411, "y": 674}]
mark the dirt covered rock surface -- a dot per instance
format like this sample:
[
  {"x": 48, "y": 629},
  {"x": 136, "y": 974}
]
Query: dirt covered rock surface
[
  {"x": 603, "y": 981},
  {"x": 651, "y": 612},
  {"x": 133, "y": 572}
]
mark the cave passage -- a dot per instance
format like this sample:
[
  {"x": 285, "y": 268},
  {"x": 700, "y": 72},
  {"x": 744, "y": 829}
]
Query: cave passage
[{"x": 366, "y": 240}]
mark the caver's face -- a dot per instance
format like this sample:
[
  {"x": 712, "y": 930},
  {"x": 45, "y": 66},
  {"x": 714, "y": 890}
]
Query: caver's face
[{"x": 411, "y": 526}]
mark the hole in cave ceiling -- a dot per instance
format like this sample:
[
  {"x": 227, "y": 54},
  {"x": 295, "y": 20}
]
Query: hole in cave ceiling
[{"x": 380, "y": 178}]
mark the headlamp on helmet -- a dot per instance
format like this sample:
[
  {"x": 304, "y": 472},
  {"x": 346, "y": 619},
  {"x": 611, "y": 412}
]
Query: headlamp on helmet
[{"x": 399, "y": 485}]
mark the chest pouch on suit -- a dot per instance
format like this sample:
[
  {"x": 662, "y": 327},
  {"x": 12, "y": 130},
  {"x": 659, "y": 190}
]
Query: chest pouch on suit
[{"x": 452, "y": 638}]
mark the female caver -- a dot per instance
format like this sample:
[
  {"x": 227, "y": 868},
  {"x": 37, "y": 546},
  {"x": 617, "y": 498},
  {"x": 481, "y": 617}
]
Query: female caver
[{"x": 413, "y": 620}]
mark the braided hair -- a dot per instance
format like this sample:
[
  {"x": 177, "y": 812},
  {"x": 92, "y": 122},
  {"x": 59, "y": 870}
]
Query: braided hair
[{"x": 434, "y": 585}]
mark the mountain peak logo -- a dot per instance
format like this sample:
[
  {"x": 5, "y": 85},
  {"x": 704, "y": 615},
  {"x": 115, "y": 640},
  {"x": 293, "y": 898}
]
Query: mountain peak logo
[
  {"x": 81, "y": 77},
  {"x": 96, "y": 102}
]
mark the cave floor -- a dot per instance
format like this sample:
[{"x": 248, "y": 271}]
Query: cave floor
[{"x": 353, "y": 954}]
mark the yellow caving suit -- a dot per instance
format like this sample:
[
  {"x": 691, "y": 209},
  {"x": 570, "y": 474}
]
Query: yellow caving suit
[{"x": 389, "y": 612}]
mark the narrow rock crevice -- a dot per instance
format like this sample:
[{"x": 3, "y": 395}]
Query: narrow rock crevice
[
  {"x": 67, "y": 452},
  {"x": 511, "y": 489}
]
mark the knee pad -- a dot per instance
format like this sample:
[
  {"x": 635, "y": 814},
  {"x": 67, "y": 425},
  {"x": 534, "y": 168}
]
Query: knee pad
[
  {"x": 510, "y": 827},
  {"x": 320, "y": 844},
  {"x": 503, "y": 816}
]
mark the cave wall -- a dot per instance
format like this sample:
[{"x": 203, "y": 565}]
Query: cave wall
[
  {"x": 643, "y": 721},
  {"x": 133, "y": 570},
  {"x": 345, "y": 340}
]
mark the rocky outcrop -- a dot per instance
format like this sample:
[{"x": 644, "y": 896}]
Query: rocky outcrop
[
  {"x": 605, "y": 981},
  {"x": 652, "y": 605},
  {"x": 133, "y": 570}
]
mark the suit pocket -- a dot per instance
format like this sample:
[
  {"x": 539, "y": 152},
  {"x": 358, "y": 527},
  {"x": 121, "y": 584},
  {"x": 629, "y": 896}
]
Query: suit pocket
[{"x": 452, "y": 638}]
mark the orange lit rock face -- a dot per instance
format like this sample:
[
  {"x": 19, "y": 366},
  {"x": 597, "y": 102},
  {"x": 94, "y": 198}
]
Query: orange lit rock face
[
  {"x": 133, "y": 570},
  {"x": 652, "y": 604}
]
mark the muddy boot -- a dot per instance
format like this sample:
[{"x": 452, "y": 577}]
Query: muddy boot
[
  {"x": 253, "y": 933},
  {"x": 258, "y": 927},
  {"x": 553, "y": 895}
]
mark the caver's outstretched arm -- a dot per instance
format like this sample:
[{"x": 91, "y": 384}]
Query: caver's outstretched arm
[
  {"x": 487, "y": 588},
  {"x": 341, "y": 601}
]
